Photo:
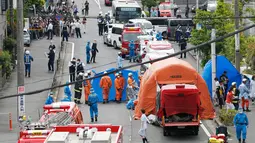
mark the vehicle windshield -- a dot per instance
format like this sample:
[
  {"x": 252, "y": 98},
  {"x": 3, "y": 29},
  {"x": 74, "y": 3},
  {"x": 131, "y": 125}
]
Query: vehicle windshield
[
  {"x": 147, "y": 26},
  {"x": 124, "y": 14},
  {"x": 131, "y": 36},
  {"x": 164, "y": 7}
]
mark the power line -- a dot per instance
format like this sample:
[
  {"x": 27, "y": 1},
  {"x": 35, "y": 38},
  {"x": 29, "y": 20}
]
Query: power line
[{"x": 135, "y": 65}]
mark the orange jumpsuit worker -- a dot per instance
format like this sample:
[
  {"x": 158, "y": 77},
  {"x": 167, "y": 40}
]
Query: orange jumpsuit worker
[
  {"x": 118, "y": 87},
  {"x": 106, "y": 84},
  {"x": 122, "y": 83},
  {"x": 87, "y": 86},
  {"x": 140, "y": 77}
]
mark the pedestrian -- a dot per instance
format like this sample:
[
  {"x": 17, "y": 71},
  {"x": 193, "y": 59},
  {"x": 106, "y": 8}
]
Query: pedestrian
[
  {"x": 84, "y": 22},
  {"x": 178, "y": 13},
  {"x": 27, "y": 60},
  {"x": 244, "y": 94},
  {"x": 178, "y": 33},
  {"x": 88, "y": 49},
  {"x": 159, "y": 36},
  {"x": 122, "y": 83},
  {"x": 86, "y": 8},
  {"x": 175, "y": 9},
  {"x": 94, "y": 51},
  {"x": 51, "y": 56},
  {"x": 143, "y": 129},
  {"x": 100, "y": 21},
  {"x": 75, "y": 10},
  {"x": 224, "y": 78},
  {"x": 52, "y": 46},
  {"x": 87, "y": 87},
  {"x": 131, "y": 51},
  {"x": 93, "y": 108},
  {"x": 187, "y": 11},
  {"x": 241, "y": 124},
  {"x": 131, "y": 87},
  {"x": 252, "y": 86},
  {"x": 188, "y": 31},
  {"x": 78, "y": 88},
  {"x": 119, "y": 60},
  {"x": 64, "y": 33},
  {"x": 220, "y": 94},
  {"x": 77, "y": 29},
  {"x": 217, "y": 85},
  {"x": 72, "y": 68},
  {"x": 236, "y": 99},
  {"x": 183, "y": 45},
  {"x": 80, "y": 67},
  {"x": 118, "y": 88},
  {"x": 106, "y": 84},
  {"x": 229, "y": 99},
  {"x": 50, "y": 30}
]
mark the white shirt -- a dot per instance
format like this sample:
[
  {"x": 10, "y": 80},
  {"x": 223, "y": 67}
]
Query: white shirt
[
  {"x": 77, "y": 25},
  {"x": 143, "y": 121},
  {"x": 252, "y": 86},
  {"x": 50, "y": 26}
]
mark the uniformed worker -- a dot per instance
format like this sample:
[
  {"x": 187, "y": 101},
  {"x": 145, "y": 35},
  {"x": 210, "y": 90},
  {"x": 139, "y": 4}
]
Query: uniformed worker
[
  {"x": 236, "y": 99},
  {"x": 87, "y": 87},
  {"x": 106, "y": 84},
  {"x": 118, "y": 87},
  {"x": 140, "y": 77},
  {"x": 100, "y": 21},
  {"x": 78, "y": 89},
  {"x": 92, "y": 102},
  {"x": 28, "y": 60},
  {"x": 241, "y": 123}
]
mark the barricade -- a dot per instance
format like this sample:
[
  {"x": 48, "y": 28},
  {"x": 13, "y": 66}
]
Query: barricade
[{"x": 9, "y": 115}]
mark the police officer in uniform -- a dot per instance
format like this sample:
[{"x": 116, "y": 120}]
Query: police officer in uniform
[
  {"x": 78, "y": 89},
  {"x": 72, "y": 68},
  {"x": 80, "y": 67},
  {"x": 51, "y": 56},
  {"x": 27, "y": 60},
  {"x": 100, "y": 21},
  {"x": 178, "y": 33},
  {"x": 183, "y": 45}
]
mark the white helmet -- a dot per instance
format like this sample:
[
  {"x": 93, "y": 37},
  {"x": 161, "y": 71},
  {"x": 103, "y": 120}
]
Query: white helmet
[
  {"x": 88, "y": 71},
  {"x": 27, "y": 52},
  {"x": 81, "y": 74},
  {"x": 130, "y": 74},
  {"x": 100, "y": 12},
  {"x": 142, "y": 72},
  {"x": 119, "y": 53},
  {"x": 105, "y": 72},
  {"x": 86, "y": 74},
  {"x": 116, "y": 74}
]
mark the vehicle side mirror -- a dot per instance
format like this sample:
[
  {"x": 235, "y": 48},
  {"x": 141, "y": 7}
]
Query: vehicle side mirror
[{"x": 119, "y": 39}]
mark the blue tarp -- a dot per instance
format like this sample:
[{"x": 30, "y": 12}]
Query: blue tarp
[
  {"x": 222, "y": 64},
  {"x": 98, "y": 90}
]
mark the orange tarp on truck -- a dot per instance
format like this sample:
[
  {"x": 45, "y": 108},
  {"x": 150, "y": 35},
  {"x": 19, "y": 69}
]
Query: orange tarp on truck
[{"x": 171, "y": 71}]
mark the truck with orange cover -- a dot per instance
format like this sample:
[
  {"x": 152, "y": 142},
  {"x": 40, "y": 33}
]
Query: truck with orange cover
[
  {"x": 174, "y": 92},
  {"x": 75, "y": 133}
]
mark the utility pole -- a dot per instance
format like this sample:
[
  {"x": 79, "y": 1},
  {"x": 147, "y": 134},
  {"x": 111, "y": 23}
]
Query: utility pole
[
  {"x": 213, "y": 57},
  {"x": 237, "y": 37},
  {"x": 20, "y": 61},
  {"x": 197, "y": 51},
  {"x": 197, "y": 4}
]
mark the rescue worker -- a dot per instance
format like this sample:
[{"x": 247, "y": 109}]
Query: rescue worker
[
  {"x": 131, "y": 51},
  {"x": 236, "y": 96},
  {"x": 252, "y": 88},
  {"x": 87, "y": 87},
  {"x": 78, "y": 89},
  {"x": 51, "y": 56},
  {"x": 122, "y": 83},
  {"x": 229, "y": 99},
  {"x": 92, "y": 102},
  {"x": 100, "y": 21},
  {"x": 131, "y": 86},
  {"x": 106, "y": 84},
  {"x": 64, "y": 33},
  {"x": 119, "y": 60},
  {"x": 68, "y": 94},
  {"x": 50, "y": 99},
  {"x": 86, "y": 8},
  {"x": 80, "y": 66},
  {"x": 241, "y": 123},
  {"x": 183, "y": 45},
  {"x": 118, "y": 87},
  {"x": 90, "y": 75},
  {"x": 159, "y": 36},
  {"x": 224, "y": 78},
  {"x": 27, "y": 60},
  {"x": 94, "y": 51},
  {"x": 188, "y": 31},
  {"x": 72, "y": 68},
  {"x": 178, "y": 33},
  {"x": 140, "y": 77},
  {"x": 88, "y": 49},
  {"x": 244, "y": 94}
]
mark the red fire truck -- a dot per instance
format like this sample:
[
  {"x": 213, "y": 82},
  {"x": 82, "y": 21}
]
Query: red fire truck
[
  {"x": 75, "y": 133},
  {"x": 128, "y": 34}
]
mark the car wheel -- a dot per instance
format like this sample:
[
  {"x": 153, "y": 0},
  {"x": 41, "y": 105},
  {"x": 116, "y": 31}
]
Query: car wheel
[{"x": 115, "y": 45}]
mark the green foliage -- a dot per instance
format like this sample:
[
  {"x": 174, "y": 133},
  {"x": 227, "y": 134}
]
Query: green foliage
[
  {"x": 227, "y": 117},
  {"x": 147, "y": 13},
  {"x": 5, "y": 62},
  {"x": 9, "y": 44},
  {"x": 250, "y": 52}
]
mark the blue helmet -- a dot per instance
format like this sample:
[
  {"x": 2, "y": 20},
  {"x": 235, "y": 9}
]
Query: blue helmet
[
  {"x": 131, "y": 41},
  {"x": 91, "y": 90}
]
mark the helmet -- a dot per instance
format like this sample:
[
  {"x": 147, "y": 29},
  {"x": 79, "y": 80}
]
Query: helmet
[
  {"x": 233, "y": 83},
  {"x": 105, "y": 72},
  {"x": 88, "y": 71},
  {"x": 130, "y": 74},
  {"x": 81, "y": 74},
  {"x": 142, "y": 72},
  {"x": 86, "y": 74},
  {"x": 119, "y": 53},
  {"x": 100, "y": 12},
  {"x": 27, "y": 52},
  {"x": 91, "y": 90},
  {"x": 116, "y": 74}
]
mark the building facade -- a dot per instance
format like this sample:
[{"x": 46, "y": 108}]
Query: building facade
[{"x": 3, "y": 21}]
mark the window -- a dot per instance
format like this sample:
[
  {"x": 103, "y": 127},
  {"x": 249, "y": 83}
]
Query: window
[
  {"x": 181, "y": 22},
  {"x": 116, "y": 30},
  {"x": 158, "y": 21},
  {"x": 131, "y": 36},
  {"x": 147, "y": 26}
]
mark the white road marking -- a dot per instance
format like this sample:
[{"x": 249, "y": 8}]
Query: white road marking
[
  {"x": 98, "y": 3},
  {"x": 204, "y": 128}
]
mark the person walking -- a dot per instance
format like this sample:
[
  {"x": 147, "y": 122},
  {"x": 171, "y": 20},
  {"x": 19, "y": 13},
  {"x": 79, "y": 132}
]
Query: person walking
[
  {"x": 143, "y": 129},
  {"x": 131, "y": 51},
  {"x": 50, "y": 30},
  {"x": 80, "y": 67},
  {"x": 72, "y": 69},
  {"x": 27, "y": 60},
  {"x": 241, "y": 123},
  {"x": 77, "y": 29},
  {"x": 106, "y": 84},
  {"x": 51, "y": 56},
  {"x": 175, "y": 9},
  {"x": 252, "y": 86},
  {"x": 187, "y": 11},
  {"x": 88, "y": 49},
  {"x": 244, "y": 94},
  {"x": 119, "y": 60},
  {"x": 94, "y": 51},
  {"x": 118, "y": 88},
  {"x": 93, "y": 108},
  {"x": 78, "y": 88},
  {"x": 236, "y": 99},
  {"x": 64, "y": 33},
  {"x": 183, "y": 45},
  {"x": 87, "y": 87},
  {"x": 86, "y": 8},
  {"x": 84, "y": 22}
]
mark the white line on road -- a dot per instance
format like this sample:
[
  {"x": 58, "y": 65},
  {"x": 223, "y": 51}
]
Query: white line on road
[
  {"x": 98, "y": 3},
  {"x": 204, "y": 128}
]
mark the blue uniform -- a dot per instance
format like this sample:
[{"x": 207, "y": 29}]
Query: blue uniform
[
  {"x": 27, "y": 60},
  {"x": 93, "y": 99},
  {"x": 88, "y": 52},
  {"x": 188, "y": 31},
  {"x": 120, "y": 59},
  {"x": 131, "y": 50},
  {"x": 241, "y": 122},
  {"x": 130, "y": 104},
  {"x": 159, "y": 36},
  {"x": 49, "y": 100},
  {"x": 68, "y": 94}
]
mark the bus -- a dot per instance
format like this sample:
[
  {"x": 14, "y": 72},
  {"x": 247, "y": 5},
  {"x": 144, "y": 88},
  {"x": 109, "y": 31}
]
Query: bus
[{"x": 123, "y": 10}]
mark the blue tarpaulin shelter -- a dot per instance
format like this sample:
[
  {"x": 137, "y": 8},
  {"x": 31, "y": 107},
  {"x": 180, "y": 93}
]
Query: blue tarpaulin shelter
[
  {"x": 98, "y": 90},
  {"x": 222, "y": 64}
]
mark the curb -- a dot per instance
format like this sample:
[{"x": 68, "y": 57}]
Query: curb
[{"x": 218, "y": 123}]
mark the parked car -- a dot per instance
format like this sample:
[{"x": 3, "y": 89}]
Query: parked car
[
  {"x": 27, "y": 38},
  {"x": 107, "y": 2}
]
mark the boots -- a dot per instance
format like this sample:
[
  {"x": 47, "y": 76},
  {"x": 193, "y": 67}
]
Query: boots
[
  {"x": 92, "y": 119},
  {"x": 96, "y": 118},
  {"x": 247, "y": 110},
  {"x": 244, "y": 141},
  {"x": 26, "y": 74},
  {"x": 86, "y": 102},
  {"x": 239, "y": 141}
]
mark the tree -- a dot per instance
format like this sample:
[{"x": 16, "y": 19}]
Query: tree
[{"x": 28, "y": 4}]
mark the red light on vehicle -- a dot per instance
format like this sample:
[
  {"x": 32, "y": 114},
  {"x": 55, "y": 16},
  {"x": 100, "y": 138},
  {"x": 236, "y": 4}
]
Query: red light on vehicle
[
  {"x": 132, "y": 28},
  {"x": 48, "y": 107},
  {"x": 180, "y": 86}
]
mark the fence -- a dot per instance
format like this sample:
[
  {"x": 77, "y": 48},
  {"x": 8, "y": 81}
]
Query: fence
[{"x": 3, "y": 122}]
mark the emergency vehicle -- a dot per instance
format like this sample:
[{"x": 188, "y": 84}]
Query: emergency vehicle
[
  {"x": 149, "y": 57},
  {"x": 75, "y": 133},
  {"x": 159, "y": 47},
  {"x": 128, "y": 34},
  {"x": 165, "y": 9}
]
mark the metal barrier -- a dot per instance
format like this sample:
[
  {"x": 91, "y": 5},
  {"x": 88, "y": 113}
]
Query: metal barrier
[{"x": 9, "y": 119}]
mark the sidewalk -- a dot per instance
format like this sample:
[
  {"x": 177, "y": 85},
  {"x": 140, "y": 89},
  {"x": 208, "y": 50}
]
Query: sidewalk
[{"x": 40, "y": 78}]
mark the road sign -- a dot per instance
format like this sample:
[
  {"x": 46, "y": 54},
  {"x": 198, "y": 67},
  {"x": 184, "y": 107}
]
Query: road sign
[
  {"x": 59, "y": 17},
  {"x": 21, "y": 89}
]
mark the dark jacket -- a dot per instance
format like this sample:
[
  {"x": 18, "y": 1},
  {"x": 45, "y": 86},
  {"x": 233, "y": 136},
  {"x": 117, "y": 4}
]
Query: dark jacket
[
  {"x": 72, "y": 67},
  {"x": 51, "y": 55},
  {"x": 80, "y": 68},
  {"x": 78, "y": 85},
  {"x": 94, "y": 49},
  {"x": 183, "y": 44},
  {"x": 52, "y": 47}
]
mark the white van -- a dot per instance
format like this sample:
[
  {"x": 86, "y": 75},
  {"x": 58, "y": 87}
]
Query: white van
[
  {"x": 113, "y": 35},
  {"x": 149, "y": 57},
  {"x": 143, "y": 23}
]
